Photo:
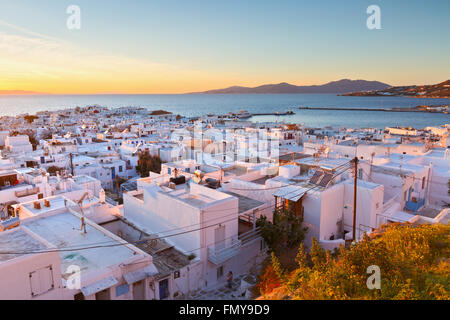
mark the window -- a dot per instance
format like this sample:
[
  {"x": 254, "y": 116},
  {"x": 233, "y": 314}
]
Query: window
[
  {"x": 41, "y": 281},
  {"x": 164, "y": 289},
  {"x": 120, "y": 169},
  {"x": 122, "y": 289},
  {"x": 360, "y": 174},
  {"x": 103, "y": 295},
  {"x": 423, "y": 183},
  {"x": 219, "y": 272}
]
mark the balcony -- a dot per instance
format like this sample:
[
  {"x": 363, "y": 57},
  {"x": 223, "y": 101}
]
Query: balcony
[
  {"x": 219, "y": 253},
  {"x": 414, "y": 205}
]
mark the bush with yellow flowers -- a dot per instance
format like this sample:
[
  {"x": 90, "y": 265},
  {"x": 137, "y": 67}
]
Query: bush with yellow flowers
[{"x": 413, "y": 260}]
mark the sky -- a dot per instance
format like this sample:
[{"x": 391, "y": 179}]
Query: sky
[{"x": 178, "y": 46}]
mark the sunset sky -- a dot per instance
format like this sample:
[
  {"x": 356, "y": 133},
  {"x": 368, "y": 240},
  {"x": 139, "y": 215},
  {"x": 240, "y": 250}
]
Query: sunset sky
[{"x": 169, "y": 46}]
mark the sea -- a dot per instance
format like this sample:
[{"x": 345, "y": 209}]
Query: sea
[{"x": 191, "y": 105}]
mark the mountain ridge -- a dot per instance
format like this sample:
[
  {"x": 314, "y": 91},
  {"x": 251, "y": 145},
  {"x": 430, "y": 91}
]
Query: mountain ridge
[
  {"x": 439, "y": 90},
  {"x": 339, "y": 87}
]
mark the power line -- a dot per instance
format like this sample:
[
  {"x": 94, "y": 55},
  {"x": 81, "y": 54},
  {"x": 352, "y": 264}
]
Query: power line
[
  {"x": 99, "y": 245},
  {"x": 284, "y": 186}
]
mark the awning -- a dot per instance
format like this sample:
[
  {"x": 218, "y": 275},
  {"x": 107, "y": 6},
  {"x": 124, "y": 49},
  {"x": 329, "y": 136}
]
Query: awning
[
  {"x": 99, "y": 286},
  {"x": 141, "y": 274},
  {"x": 292, "y": 193},
  {"x": 401, "y": 216}
]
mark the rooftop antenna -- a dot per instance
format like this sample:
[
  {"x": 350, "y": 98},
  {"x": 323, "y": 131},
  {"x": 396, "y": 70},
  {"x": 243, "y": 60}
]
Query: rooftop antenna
[{"x": 80, "y": 205}]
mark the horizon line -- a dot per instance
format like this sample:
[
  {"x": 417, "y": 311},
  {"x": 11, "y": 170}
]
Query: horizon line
[{"x": 37, "y": 93}]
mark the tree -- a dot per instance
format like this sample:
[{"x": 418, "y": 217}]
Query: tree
[
  {"x": 30, "y": 118},
  {"x": 413, "y": 263},
  {"x": 147, "y": 163},
  {"x": 285, "y": 232},
  {"x": 54, "y": 169},
  {"x": 269, "y": 279}
]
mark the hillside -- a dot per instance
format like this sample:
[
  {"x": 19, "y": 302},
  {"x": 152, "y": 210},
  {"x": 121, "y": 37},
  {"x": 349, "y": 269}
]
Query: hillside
[
  {"x": 413, "y": 261},
  {"x": 440, "y": 90},
  {"x": 338, "y": 87}
]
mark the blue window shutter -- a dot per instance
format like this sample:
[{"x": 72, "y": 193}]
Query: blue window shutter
[{"x": 122, "y": 289}]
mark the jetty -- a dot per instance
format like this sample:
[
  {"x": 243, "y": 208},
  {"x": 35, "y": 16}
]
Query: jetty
[
  {"x": 272, "y": 114},
  {"x": 415, "y": 109}
]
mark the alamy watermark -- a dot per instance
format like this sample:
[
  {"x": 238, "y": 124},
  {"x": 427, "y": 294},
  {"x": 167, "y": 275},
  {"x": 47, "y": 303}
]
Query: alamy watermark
[
  {"x": 74, "y": 19},
  {"x": 374, "y": 20},
  {"x": 374, "y": 280},
  {"x": 74, "y": 280}
]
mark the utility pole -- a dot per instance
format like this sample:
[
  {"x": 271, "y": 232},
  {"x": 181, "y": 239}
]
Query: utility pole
[
  {"x": 71, "y": 163},
  {"x": 118, "y": 189},
  {"x": 354, "y": 197}
]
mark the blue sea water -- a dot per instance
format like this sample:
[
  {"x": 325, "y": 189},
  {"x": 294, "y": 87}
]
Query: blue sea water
[{"x": 197, "y": 104}]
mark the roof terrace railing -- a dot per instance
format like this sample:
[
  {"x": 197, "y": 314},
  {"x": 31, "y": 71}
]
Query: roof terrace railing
[{"x": 219, "y": 253}]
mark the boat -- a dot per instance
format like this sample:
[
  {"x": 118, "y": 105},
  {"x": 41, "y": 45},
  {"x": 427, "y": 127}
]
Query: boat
[{"x": 243, "y": 114}]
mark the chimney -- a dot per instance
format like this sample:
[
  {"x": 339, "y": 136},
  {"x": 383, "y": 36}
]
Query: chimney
[
  {"x": 37, "y": 205},
  {"x": 102, "y": 196}
]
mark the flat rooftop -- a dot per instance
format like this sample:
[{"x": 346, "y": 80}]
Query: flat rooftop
[
  {"x": 16, "y": 241},
  {"x": 245, "y": 203},
  {"x": 401, "y": 166},
  {"x": 437, "y": 153},
  {"x": 293, "y": 156},
  {"x": 363, "y": 184},
  {"x": 236, "y": 170},
  {"x": 55, "y": 203},
  {"x": 195, "y": 200},
  {"x": 63, "y": 231},
  {"x": 324, "y": 163},
  {"x": 429, "y": 212},
  {"x": 166, "y": 258},
  {"x": 261, "y": 181},
  {"x": 83, "y": 179}
]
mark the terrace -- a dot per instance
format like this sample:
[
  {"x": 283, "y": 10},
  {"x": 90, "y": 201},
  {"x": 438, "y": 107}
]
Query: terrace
[{"x": 17, "y": 241}]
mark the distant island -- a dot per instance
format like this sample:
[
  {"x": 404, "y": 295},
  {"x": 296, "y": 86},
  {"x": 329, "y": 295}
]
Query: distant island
[
  {"x": 19, "y": 92},
  {"x": 440, "y": 90},
  {"x": 337, "y": 87}
]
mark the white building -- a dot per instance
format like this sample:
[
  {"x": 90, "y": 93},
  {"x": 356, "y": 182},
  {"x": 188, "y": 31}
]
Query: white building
[
  {"x": 112, "y": 270},
  {"x": 199, "y": 221},
  {"x": 18, "y": 144}
]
